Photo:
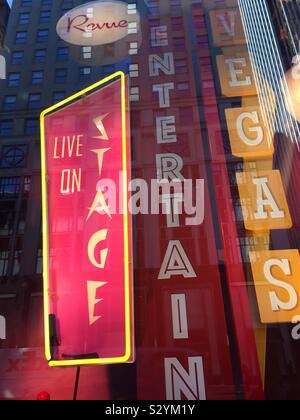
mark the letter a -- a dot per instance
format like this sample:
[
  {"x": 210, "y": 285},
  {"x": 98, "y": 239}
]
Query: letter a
[
  {"x": 176, "y": 263},
  {"x": 99, "y": 205},
  {"x": 263, "y": 189}
]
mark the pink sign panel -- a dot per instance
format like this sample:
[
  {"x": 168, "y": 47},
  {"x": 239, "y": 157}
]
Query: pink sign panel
[{"x": 87, "y": 228}]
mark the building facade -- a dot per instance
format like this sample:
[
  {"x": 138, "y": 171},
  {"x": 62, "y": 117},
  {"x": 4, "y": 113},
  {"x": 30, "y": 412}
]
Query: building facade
[
  {"x": 4, "y": 14},
  {"x": 194, "y": 70}
]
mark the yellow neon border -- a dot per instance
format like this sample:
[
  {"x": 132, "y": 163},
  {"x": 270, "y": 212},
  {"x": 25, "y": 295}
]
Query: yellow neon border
[{"x": 128, "y": 336}]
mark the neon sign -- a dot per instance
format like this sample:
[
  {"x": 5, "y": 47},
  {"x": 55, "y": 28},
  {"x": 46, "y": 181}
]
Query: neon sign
[{"x": 87, "y": 250}]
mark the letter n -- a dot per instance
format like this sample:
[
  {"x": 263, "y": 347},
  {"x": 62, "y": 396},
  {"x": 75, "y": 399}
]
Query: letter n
[{"x": 181, "y": 383}]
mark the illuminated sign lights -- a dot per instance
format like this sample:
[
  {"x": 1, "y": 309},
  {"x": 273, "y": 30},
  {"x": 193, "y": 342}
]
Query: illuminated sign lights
[{"x": 79, "y": 290}]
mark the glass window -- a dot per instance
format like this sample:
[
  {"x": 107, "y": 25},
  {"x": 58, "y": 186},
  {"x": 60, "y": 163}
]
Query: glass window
[
  {"x": 9, "y": 102},
  {"x": 58, "y": 96},
  {"x": 45, "y": 16},
  {"x": 4, "y": 259},
  {"x": 6, "y": 128},
  {"x": 7, "y": 218},
  {"x": 62, "y": 54},
  {"x": 13, "y": 156},
  {"x": 37, "y": 77},
  {"x": 86, "y": 53},
  {"x": 211, "y": 100},
  {"x": 40, "y": 56},
  {"x": 85, "y": 73},
  {"x": 21, "y": 37},
  {"x": 14, "y": 79},
  {"x": 17, "y": 262},
  {"x": 39, "y": 262},
  {"x": 17, "y": 57},
  {"x": 42, "y": 35},
  {"x": 9, "y": 187},
  {"x": 31, "y": 126},
  {"x": 34, "y": 100},
  {"x": 61, "y": 76},
  {"x": 24, "y": 18}
]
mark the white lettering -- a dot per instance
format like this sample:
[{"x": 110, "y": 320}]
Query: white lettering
[
  {"x": 176, "y": 263},
  {"x": 169, "y": 166},
  {"x": 179, "y": 316},
  {"x": 263, "y": 189},
  {"x": 163, "y": 91},
  {"x": 276, "y": 303},
  {"x": 253, "y": 116},
  {"x": 165, "y": 64},
  {"x": 159, "y": 36},
  {"x": 166, "y": 130},
  {"x": 180, "y": 382}
]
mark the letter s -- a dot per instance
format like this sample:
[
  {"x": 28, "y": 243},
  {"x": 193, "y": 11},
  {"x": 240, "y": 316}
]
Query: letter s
[
  {"x": 152, "y": 410},
  {"x": 276, "y": 303}
]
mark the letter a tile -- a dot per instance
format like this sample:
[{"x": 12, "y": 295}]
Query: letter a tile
[{"x": 263, "y": 201}]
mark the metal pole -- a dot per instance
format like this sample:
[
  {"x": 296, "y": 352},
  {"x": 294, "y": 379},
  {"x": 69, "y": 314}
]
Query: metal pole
[{"x": 76, "y": 384}]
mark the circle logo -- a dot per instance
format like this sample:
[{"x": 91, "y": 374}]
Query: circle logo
[{"x": 98, "y": 23}]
